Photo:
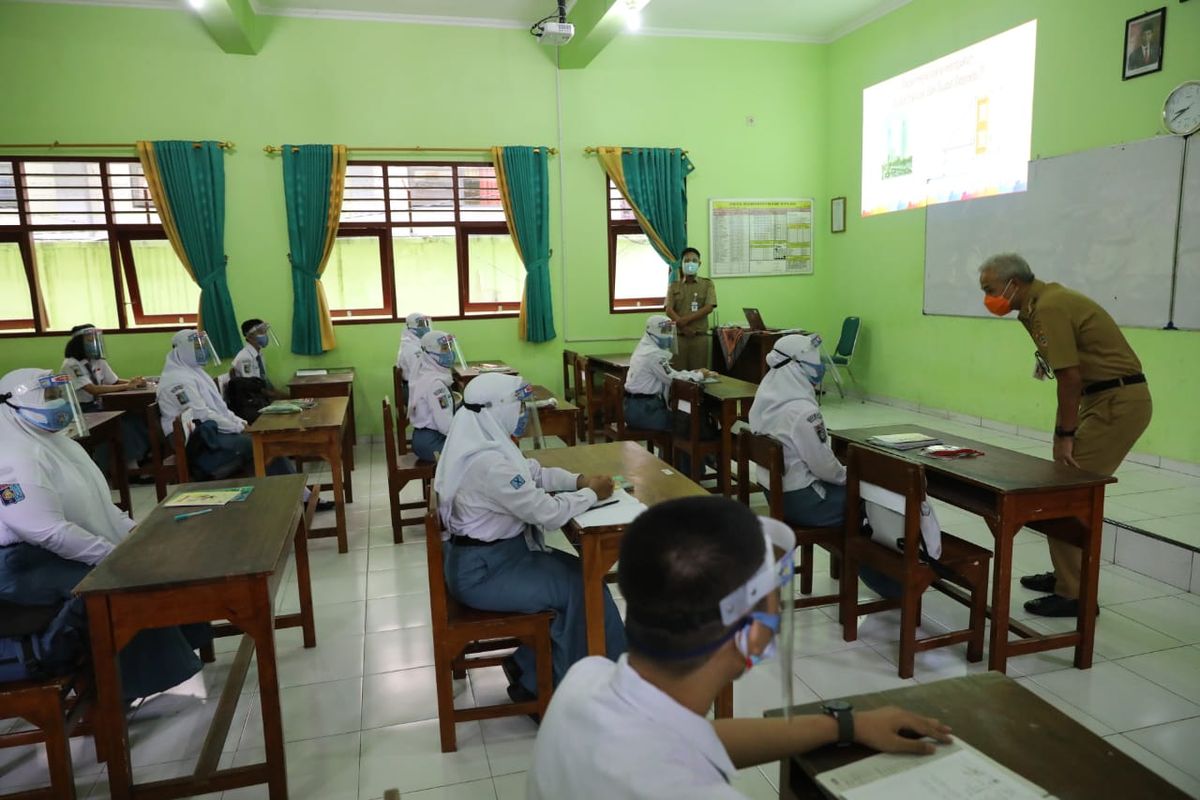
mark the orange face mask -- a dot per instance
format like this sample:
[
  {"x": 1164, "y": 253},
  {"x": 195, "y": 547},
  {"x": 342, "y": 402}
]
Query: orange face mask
[{"x": 998, "y": 304}]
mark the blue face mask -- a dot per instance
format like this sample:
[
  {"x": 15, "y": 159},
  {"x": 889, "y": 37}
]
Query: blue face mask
[
  {"x": 53, "y": 417},
  {"x": 91, "y": 350},
  {"x": 742, "y": 639},
  {"x": 664, "y": 342},
  {"x": 420, "y": 331},
  {"x": 691, "y": 267},
  {"x": 262, "y": 341},
  {"x": 522, "y": 422},
  {"x": 815, "y": 372},
  {"x": 444, "y": 359}
]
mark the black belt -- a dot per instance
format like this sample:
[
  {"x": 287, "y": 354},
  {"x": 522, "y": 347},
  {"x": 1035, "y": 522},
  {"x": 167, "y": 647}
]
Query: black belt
[
  {"x": 1103, "y": 386},
  {"x": 641, "y": 396},
  {"x": 467, "y": 541}
]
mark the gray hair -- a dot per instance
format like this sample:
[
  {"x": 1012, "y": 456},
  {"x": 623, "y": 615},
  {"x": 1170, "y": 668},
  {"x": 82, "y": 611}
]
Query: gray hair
[{"x": 1008, "y": 266}]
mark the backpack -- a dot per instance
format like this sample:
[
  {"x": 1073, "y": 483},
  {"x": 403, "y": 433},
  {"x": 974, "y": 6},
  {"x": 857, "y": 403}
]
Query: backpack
[
  {"x": 38, "y": 642},
  {"x": 246, "y": 397}
]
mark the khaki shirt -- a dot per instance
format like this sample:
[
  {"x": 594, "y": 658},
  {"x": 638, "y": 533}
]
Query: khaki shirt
[
  {"x": 680, "y": 298},
  {"x": 1072, "y": 330}
]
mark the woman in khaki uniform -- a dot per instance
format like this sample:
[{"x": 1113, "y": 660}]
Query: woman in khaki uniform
[{"x": 1103, "y": 399}]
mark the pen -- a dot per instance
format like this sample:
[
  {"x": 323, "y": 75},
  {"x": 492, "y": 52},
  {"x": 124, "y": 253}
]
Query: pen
[{"x": 179, "y": 517}]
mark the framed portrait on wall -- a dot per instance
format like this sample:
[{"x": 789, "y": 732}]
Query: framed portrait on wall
[{"x": 1143, "y": 50}]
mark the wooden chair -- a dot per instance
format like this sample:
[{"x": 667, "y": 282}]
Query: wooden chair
[
  {"x": 179, "y": 445},
  {"x": 465, "y": 638},
  {"x": 615, "y": 429},
  {"x": 57, "y": 708},
  {"x": 569, "y": 357},
  {"x": 163, "y": 464},
  {"x": 402, "y": 468},
  {"x": 691, "y": 395},
  {"x": 767, "y": 453},
  {"x": 961, "y": 564},
  {"x": 591, "y": 413},
  {"x": 400, "y": 392}
]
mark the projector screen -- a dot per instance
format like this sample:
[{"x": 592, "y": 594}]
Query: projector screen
[{"x": 953, "y": 129}]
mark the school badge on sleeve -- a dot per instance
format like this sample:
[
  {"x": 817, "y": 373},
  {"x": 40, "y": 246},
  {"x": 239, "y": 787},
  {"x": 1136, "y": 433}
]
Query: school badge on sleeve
[
  {"x": 517, "y": 482},
  {"x": 10, "y": 493}
]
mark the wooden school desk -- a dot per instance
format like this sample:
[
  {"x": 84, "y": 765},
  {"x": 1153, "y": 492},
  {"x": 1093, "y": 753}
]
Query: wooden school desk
[
  {"x": 612, "y": 363},
  {"x": 561, "y": 420},
  {"x": 464, "y": 375},
  {"x": 1006, "y": 722},
  {"x": 105, "y": 427},
  {"x": 318, "y": 432},
  {"x": 1010, "y": 490},
  {"x": 224, "y": 565},
  {"x": 134, "y": 401},
  {"x": 732, "y": 398},
  {"x": 336, "y": 382}
]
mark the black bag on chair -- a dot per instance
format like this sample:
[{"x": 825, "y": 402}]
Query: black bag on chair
[{"x": 246, "y": 397}]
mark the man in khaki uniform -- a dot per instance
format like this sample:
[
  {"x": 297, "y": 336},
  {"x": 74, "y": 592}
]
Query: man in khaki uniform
[
  {"x": 1103, "y": 399},
  {"x": 689, "y": 302}
]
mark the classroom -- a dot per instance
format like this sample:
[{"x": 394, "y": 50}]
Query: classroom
[{"x": 777, "y": 140}]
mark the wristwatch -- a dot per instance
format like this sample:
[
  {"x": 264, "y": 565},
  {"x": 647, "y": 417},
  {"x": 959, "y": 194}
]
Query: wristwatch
[
  {"x": 843, "y": 712},
  {"x": 1063, "y": 433}
]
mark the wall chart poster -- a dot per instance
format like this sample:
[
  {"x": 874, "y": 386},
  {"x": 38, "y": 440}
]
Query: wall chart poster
[{"x": 750, "y": 238}]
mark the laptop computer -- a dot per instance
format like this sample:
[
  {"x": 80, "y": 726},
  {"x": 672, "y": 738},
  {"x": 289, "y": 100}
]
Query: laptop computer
[{"x": 754, "y": 319}]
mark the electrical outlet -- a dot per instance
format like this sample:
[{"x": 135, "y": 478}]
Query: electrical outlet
[{"x": 751, "y": 121}]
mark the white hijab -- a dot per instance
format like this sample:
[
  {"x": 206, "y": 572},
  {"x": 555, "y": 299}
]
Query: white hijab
[
  {"x": 428, "y": 374},
  {"x": 785, "y": 389},
  {"x": 648, "y": 355},
  {"x": 54, "y": 459},
  {"x": 489, "y": 428},
  {"x": 179, "y": 367}
]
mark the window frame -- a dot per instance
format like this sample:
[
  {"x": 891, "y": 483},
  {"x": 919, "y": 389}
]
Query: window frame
[
  {"x": 23, "y": 233},
  {"x": 468, "y": 309},
  {"x": 617, "y": 228}
]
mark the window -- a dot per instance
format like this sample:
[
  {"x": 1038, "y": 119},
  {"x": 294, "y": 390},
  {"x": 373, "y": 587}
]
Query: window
[
  {"x": 637, "y": 275},
  {"x": 426, "y": 237},
  {"x": 81, "y": 241}
]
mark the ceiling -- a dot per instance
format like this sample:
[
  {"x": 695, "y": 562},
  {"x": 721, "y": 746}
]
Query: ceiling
[{"x": 787, "y": 20}]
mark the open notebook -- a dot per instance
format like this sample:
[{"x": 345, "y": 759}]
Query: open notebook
[{"x": 620, "y": 509}]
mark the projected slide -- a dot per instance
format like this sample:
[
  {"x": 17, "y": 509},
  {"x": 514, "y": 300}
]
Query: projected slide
[{"x": 953, "y": 129}]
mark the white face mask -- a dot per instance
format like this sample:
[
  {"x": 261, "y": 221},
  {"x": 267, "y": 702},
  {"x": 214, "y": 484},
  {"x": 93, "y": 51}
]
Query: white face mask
[{"x": 691, "y": 267}]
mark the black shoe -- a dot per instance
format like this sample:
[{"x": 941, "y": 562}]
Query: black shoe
[
  {"x": 519, "y": 694},
  {"x": 1043, "y": 583},
  {"x": 1053, "y": 606},
  {"x": 326, "y": 505},
  {"x": 511, "y": 671}
]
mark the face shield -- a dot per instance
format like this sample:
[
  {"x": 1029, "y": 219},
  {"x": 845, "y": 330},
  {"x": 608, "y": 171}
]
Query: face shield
[
  {"x": 446, "y": 351},
  {"x": 49, "y": 403},
  {"x": 529, "y": 423},
  {"x": 93, "y": 343},
  {"x": 420, "y": 324},
  {"x": 263, "y": 335},
  {"x": 772, "y": 583},
  {"x": 813, "y": 370},
  {"x": 663, "y": 333},
  {"x": 199, "y": 349}
]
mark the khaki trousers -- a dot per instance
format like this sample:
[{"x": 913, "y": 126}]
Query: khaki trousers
[
  {"x": 693, "y": 351},
  {"x": 1109, "y": 424}
]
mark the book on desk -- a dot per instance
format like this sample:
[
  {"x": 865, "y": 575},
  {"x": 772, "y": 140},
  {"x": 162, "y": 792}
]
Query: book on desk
[{"x": 903, "y": 441}]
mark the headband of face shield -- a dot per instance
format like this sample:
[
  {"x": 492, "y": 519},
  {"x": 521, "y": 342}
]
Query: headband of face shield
[
  {"x": 195, "y": 348},
  {"x": 662, "y": 330},
  {"x": 262, "y": 335},
  {"x": 93, "y": 342},
  {"x": 804, "y": 351},
  {"x": 527, "y": 422},
  {"x": 46, "y": 401},
  {"x": 418, "y": 324},
  {"x": 443, "y": 348}
]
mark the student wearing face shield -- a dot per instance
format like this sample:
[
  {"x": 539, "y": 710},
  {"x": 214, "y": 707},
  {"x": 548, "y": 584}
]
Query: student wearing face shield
[
  {"x": 57, "y": 521},
  {"x": 689, "y": 302},
  {"x": 701, "y": 578},
  {"x": 416, "y": 325},
  {"x": 249, "y": 363},
  {"x": 494, "y": 504},
  {"x": 431, "y": 403},
  {"x": 85, "y": 361}
]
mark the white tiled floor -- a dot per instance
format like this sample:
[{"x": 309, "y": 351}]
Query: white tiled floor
[{"x": 360, "y": 714}]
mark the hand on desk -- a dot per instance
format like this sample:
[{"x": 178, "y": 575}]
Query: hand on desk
[
  {"x": 602, "y": 485},
  {"x": 1064, "y": 450},
  {"x": 137, "y": 382},
  {"x": 881, "y": 729}
]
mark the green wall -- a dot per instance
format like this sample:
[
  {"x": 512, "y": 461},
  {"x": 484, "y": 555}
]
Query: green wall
[
  {"x": 977, "y": 366},
  {"x": 117, "y": 74}
]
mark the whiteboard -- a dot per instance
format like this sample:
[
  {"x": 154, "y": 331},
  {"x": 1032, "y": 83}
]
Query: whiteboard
[
  {"x": 1187, "y": 281},
  {"x": 1101, "y": 222},
  {"x": 755, "y": 238}
]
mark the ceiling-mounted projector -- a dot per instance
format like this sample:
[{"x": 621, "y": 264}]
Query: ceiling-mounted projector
[{"x": 555, "y": 34}]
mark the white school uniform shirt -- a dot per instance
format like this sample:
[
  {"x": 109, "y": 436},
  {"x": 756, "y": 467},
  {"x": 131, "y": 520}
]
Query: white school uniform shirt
[
  {"x": 88, "y": 372},
  {"x": 410, "y": 351},
  {"x": 611, "y": 735},
  {"x": 430, "y": 401},
  {"x": 650, "y": 370},
  {"x": 182, "y": 387},
  {"x": 245, "y": 364}
]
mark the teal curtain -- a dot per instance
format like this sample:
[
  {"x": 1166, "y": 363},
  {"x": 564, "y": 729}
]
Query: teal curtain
[
  {"x": 526, "y": 177},
  {"x": 307, "y": 172},
  {"x": 193, "y": 178},
  {"x": 656, "y": 178}
]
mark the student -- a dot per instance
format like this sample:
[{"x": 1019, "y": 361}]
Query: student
[
  {"x": 416, "y": 325},
  {"x": 814, "y": 481},
  {"x": 431, "y": 404},
  {"x": 84, "y": 361},
  {"x": 57, "y": 521},
  {"x": 494, "y": 503},
  {"x": 248, "y": 363},
  {"x": 637, "y": 728},
  {"x": 689, "y": 302},
  {"x": 648, "y": 382}
]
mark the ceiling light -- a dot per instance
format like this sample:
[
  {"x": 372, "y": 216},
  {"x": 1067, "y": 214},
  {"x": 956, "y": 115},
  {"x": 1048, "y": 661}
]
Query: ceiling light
[
  {"x": 633, "y": 14},
  {"x": 196, "y": 4}
]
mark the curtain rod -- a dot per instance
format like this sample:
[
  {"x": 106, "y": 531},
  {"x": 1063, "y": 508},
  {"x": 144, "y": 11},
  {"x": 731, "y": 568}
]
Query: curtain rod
[
  {"x": 273, "y": 150},
  {"x": 90, "y": 146},
  {"x": 589, "y": 150}
]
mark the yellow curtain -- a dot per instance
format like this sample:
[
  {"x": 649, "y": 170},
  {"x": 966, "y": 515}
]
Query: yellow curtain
[
  {"x": 337, "y": 184},
  {"x": 610, "y": 160},
  {"x": 502, "y": 185}
]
